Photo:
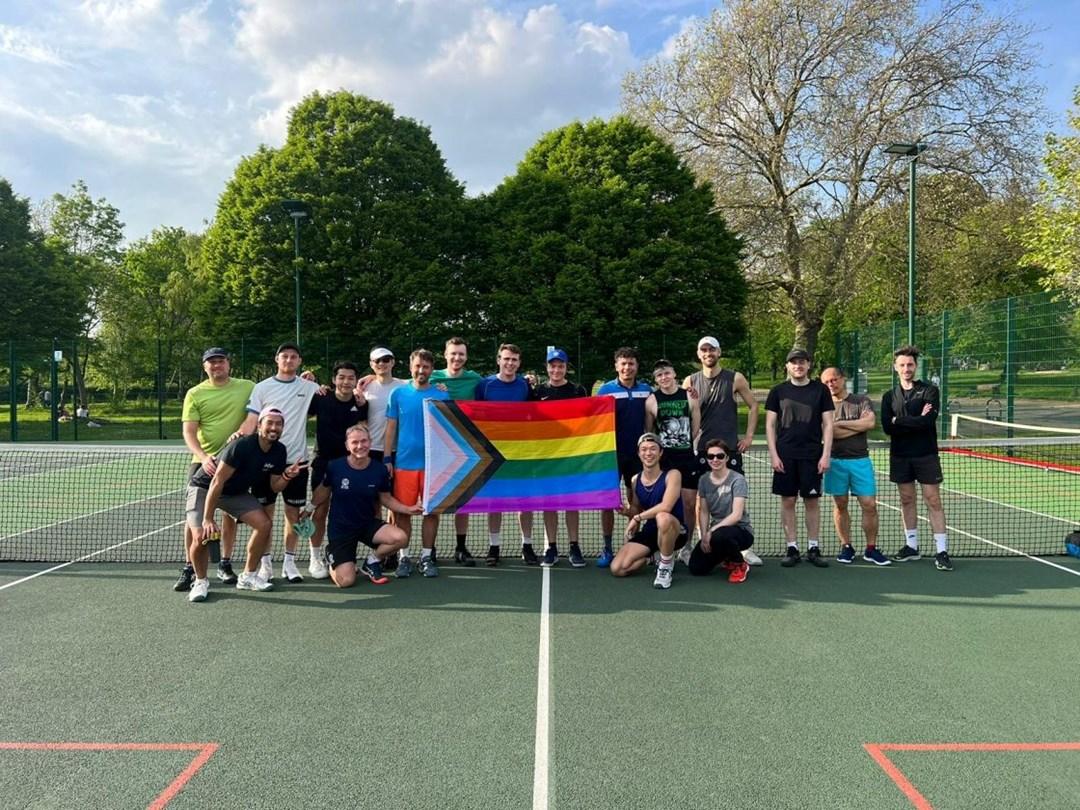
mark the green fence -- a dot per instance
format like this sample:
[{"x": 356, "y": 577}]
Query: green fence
[{"x": 1014, "y": 360}]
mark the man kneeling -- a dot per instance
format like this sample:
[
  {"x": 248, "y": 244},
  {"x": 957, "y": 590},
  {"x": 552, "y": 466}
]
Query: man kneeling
[
  {"x": 353, "y": 484},
  {"x": 656, "y": 516}
]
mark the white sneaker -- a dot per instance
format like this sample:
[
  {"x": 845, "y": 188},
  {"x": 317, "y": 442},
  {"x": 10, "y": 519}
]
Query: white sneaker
[
  {"x": 266, "y": 570},
  {"x": 317, "y": 567},
  {"x": 751, "y": 558},
  {"x": 663, "y": 578},
  {"x": 199, "y": 589},
  {"x": 683, "y": 554},
  {"x": 248, "y": 581},
  {"x": 290, "y": 571}
]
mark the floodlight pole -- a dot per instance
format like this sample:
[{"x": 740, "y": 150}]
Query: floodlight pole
[
  {"x": 911, "y": 150},
  {"x": 298, "y": 210}
]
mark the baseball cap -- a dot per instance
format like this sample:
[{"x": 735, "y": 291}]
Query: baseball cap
[
  {"x": 647, "y": 437},
  {"x": 216, "y": 351},
  {"x": 379, "y": 352},
  {"x": 557, "y": 354},
  {"x": 285, "y": 346},
  {"x": 798, "y": 354},
  {"x": 709, "y": 340},
  {"x": 271, "y": 410}
]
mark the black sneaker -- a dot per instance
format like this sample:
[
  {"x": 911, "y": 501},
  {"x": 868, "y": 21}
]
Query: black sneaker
[
  {"x": 187, "y": 576},
  {"x": 907, "y": 554},
  {"x": 942, "y": 561},
  {"x": 577, "y": 559},
  {"x": 813, "y": 556},
  {"x": 551, "y": 557},
  {"x": 792, "y": 557},
  {"x": 463, "y": 557},
  {"x": 226, "y": 574},
  {"x": 528, "y": 555},
  {"x": 492, "y": 556}
]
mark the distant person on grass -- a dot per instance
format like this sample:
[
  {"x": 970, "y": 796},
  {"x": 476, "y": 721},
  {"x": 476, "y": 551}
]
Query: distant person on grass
[
  {"x": 656, "y": 517},
  {"x": 213, "y": 410},
  {"x": 909, "y": 414},
  {"x": 798, "y": 429},
  {"x": 726, "y": 532},
  {"x": 351, "y": 487},
  {"x": 244, "y": 463},
  {"x": 850, "y": 469}
]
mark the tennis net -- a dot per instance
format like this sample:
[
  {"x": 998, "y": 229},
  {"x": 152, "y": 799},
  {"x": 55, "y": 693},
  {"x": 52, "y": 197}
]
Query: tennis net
[{"x": 125, "y": 504}]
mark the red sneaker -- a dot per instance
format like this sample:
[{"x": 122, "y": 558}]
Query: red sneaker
[{"x": 738, "y": 573}]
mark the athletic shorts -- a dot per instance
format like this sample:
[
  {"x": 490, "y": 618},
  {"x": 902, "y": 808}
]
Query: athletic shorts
[
  {"x": 649, "y": 538},
  {"x": 687, "y": 465},
  {"x": 192, "y": 469},
  {"x": 319, "y": 469},
  {"x": 408, "y": 486},
  {"x": 376, "y": 455},
  {"x": 629, "y": 466},
  {"x": 924, "y": 469},
  {"x": 235, "y": 505},
  {"x": 343, "y": 549},
  {"x": 294, "y": 494},
  {"x": 854, "y": 476},
  {"x": 800, "y": 477}
]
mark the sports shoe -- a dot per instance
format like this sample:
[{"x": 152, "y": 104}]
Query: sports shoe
[
  {"x": 317, "y": 565},
  {"x": 528, "y": 555},
  {"x": 813, "y": 556},
  {"x": 751, "y": 558},
  {"x": 266, "y": 570},
  {"x": 792, "y": 558},
  {"x": 290, "y": 571},
  {"x": 199, "y": 589},
  {"x": 248, "y": 581},
  {"x": 551, "y": 557},
  {"x": 739, "y": 572},
  {"x": 846, "y": 555},
  {"x": 428, "y": 567},
  {"x": 492, "y": 556},
  {"x": 907, "y": 554},
  {"x": 187, "y": 576},
  {"x": 226, "y": 574},
  {"x": 463, "y": 557},
  {"x": 605, "y": 558},
  {"x": 404, "y": 567},
  {"x": 942, "y": 561},
  {"x": 663, "y": 577},
  {"x": 374, "y": 572},
  {"x": 683, "y": 554},
  {"x": 876, "y": 557},
  {"x": 577, "y": 560}
]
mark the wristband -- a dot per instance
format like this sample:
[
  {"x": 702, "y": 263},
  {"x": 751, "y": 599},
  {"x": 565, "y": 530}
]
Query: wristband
[{"x": 309, "y": 507}]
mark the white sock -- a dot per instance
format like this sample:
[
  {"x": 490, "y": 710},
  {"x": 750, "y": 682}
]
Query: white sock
[
  {"x": 495, "y": 540},
  {"x": 425, "y": 554},
  {"x": 526, "y": 541},
  {"x": 812, "y": 543},
  {"x": 911, "y": 537},
  {"x": 942, "y": 542}
]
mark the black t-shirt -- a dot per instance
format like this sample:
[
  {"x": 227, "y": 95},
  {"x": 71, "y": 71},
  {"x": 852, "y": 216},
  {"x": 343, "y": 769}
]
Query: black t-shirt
[
  {"x": 913, "y": 434},
  {"x": 250, "y": 463},
  {"x": 332, "y": 418},
  {"x": 798, "y": 423},
  {"x": 566, "y": 391}
]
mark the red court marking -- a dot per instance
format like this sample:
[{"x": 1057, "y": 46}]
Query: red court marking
[
  {"x": 877, "y": 751},
  {"x": 206, "y": 750}
]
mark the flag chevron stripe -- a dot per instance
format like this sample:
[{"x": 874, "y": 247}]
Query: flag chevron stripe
[{"x": 462, "y": 443}]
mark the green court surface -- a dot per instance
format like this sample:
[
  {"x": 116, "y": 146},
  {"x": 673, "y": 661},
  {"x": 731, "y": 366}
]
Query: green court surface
[{"x": 799, "y": 688}]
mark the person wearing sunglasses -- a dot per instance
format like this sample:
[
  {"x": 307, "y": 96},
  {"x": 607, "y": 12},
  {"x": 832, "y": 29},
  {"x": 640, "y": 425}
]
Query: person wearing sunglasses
[{"x": 726, "y": 532}]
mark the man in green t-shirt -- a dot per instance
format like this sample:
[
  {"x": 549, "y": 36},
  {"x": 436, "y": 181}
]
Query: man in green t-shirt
[
  {"x": 213, "y": 410},
  {"x": 460, "y": 383}
]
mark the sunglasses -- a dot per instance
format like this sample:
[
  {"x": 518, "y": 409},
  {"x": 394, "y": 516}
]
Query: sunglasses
[
  {"x": 715, "y": 456},
  {"x": 385, "y": 360}
]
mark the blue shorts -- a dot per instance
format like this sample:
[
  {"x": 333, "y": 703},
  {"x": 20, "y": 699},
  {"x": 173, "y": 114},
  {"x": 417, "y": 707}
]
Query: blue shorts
[{"x": 853, "y": 476}]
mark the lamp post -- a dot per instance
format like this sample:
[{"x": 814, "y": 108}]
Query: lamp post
[
  {"x": 298, "y": 210},
  {"x": 911, "y": 150}
]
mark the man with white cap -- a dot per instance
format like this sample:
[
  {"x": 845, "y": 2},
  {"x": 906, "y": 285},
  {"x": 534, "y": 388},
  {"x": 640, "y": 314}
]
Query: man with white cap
[{"x": 716, "y": 388}]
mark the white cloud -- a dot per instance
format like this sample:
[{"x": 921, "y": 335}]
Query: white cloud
[
  {"x": 193, "y": 30},
  {"x": 23, "y": 45}
]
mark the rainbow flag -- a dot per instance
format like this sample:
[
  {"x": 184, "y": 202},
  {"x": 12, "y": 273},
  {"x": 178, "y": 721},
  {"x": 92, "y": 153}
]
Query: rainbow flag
[{"x": 520, "y": 456}]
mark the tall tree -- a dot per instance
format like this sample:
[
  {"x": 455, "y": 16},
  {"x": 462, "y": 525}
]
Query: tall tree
[
  {"x": 786, "y": 105},
  {"x": 1052, "y": 233},
  {"x": 383, "y": 210}
]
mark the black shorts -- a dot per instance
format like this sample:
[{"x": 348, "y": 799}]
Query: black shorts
[
  {"x": 800, "y": 477},
  {"x": 629, "y": 466},
  {"x": 924, "y": 469},
  {"x": 294, "y": 494},
  {"x": 376, "y": 455},
  {"x": 343, "y": 549},
  {"x": 318, "y": 474},
  {"x": 650, "y": 538},
  {"x": 687, "y": 465}
]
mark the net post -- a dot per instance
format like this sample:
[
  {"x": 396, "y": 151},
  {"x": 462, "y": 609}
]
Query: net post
[
  {"x": 945, "y": 322},
  {"x": 1010, "y": 361}
]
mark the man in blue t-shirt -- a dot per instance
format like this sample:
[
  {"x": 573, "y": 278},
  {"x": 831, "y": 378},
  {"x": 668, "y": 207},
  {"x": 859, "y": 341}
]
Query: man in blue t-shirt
[
  {"x": 507, "y": 386},
  {"x": 353, "y": 485},
  {"x": 630, "y": 397}
]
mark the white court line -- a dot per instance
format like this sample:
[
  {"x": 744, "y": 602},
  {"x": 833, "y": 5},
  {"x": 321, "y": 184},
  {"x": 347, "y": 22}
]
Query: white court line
[
  {"x": 91, "y": 554},
  {"x": 543, "y": 689},
  {"x": 91, "y": 514}
]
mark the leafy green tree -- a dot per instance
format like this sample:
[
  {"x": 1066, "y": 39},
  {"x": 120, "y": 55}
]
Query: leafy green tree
[
  {"x": 606, "y": 237},
  {"x": 1052, "y": 232},
  {"x": 384, "y": 210}
]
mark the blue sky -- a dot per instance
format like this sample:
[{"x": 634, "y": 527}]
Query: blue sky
[{"x": 153, "y": 102}]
